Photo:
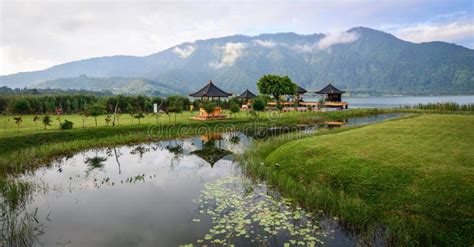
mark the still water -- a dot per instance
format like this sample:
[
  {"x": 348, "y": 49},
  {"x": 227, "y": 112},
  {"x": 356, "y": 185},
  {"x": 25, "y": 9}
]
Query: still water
[
  {"x": 397, "y": 101},
  {"x": 171, "y": 193}
]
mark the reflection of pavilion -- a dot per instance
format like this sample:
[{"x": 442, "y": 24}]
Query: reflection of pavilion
[{"x": 211, "y": 150}]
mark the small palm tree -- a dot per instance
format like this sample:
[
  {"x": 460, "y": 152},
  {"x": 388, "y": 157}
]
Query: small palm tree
[
  {"x": 46, "y": 121},
  {"x": 36, "y": 119},
  {"x": 18, "y": 121}
]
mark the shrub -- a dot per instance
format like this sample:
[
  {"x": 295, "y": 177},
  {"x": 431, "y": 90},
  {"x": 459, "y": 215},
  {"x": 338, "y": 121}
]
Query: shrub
[{"x": 66, "y": 125}]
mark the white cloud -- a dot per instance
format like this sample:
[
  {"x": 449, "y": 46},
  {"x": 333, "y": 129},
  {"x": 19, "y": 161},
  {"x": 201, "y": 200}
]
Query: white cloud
[
  {"x": 185, "y": 51},
  {"x": 337, "y": 38},
  {"x": 327, "y": 41},
  {"x": 230, "y": 53},
  {"x": 429, "y": 32},
  {"x": 265, "y": 43}
]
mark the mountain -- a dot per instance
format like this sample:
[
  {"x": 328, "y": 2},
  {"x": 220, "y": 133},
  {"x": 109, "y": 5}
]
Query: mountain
[
  {"x": 116, "y": 85},
  {"x": 358, "y": 60}
]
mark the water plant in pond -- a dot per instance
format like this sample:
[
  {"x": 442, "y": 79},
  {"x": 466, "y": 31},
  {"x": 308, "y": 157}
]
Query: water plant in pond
[
  {"x": 18, "y": 226},
  {"x": 240, "y": 213}
]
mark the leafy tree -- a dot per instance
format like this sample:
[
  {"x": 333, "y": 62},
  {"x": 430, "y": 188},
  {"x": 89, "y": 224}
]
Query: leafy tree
[
  {"x": 176, "y": 104},
  {"x": 139, "y": 116},
  {"x": 3, "y": 105},
  {"x": 234, "y": 108},
  {"x": 208, "y": 106},
  {"x": 95, "y": 110},
  {"x": 21, "y": 106},
  {"x": 84, "y": 115},
  {"x": 259, "y": 104},
  {"x": 46, "y": 121},
  {"x": 276, "y": 86}
]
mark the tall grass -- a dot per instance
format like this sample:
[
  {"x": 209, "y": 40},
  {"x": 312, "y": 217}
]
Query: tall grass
[{"x": 442, "y": 106}]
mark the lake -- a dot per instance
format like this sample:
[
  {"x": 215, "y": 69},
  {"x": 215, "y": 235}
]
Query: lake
[
  {"x": 169, "y": 193},
  {"x": 397, "y": 101}
]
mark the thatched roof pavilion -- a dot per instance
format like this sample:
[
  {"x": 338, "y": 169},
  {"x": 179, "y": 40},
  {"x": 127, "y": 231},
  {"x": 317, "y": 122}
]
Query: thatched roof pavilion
[
  {"x": 247, "y": 95},
  {"x": 300, "y": 90},
  {"x": 331, "y": 93},
  {"x": 210, "y": 91}
]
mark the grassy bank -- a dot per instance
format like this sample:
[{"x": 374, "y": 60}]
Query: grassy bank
[
  {"x": 29, "y": 147},
  {"x": 413, "y": 176}
]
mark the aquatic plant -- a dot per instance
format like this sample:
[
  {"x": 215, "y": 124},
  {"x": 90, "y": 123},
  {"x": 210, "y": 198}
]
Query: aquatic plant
[
  {"x": 18, "y": 226},
  {"x": 239, "y": 213}
]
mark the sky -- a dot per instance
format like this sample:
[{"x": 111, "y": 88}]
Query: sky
[{"x": 38, "y": 34}]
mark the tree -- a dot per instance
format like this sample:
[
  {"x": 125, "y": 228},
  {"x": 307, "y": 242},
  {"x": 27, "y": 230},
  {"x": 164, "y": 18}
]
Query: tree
[
  {"x": 139, "y": 116},
  {"x": 108, "y": 119},
  {"x": 84, "y": 115},
  {"x": 46, "y": 121},
  {"x": 176, "y": 104},
  {"x": 95, "y": 110},
  {"x": 20, "y": 106},
  {"x": 276, "y": 86},
  {"x": 36, "y": 119},
  {"x": 234, "y": 108},
  {"x": 18, "y": 121},
  {"x": 259, "y": 104},
  {"x": 208, "y": 106}
]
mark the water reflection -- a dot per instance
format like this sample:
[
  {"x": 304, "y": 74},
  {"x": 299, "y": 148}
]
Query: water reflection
[
  {"x": 211, "y": 148},
  {"x": 143, "y": 195}
]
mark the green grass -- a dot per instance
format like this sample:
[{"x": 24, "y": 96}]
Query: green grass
[
  {"x": 29, "y": 147},
  {"x": 414, "y": 177}
]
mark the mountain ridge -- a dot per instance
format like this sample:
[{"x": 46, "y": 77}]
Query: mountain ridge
[{"x": 359, "y": 59}]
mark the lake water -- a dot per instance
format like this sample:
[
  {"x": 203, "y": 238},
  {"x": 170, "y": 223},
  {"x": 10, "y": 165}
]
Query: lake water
[
  {"x": 397, "y": 101},
  {"x": 169, "y": 193}
]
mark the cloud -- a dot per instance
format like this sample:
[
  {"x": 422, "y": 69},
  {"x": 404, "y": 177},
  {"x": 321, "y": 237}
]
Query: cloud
[
  {"x": 328, "y": 41},
  {"x": 185, "y": 51},
  {"x": 456, "y": 31},
  {"x": 337, "y": 38},
  {"x": 265, "y": 43},
  {"x": 230, "y": 53}
]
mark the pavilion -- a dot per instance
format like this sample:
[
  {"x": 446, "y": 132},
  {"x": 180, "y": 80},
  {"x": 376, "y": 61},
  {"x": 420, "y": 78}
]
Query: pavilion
[
  {"x": 247, "y": 95},
  {"x": 332, "y": 97},
  {"x": 210, "y": 92}
]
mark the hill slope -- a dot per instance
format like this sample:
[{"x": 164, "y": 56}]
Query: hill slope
[
  {"x": 116, "y": 85},
  {"x": 360, "y": 59}
]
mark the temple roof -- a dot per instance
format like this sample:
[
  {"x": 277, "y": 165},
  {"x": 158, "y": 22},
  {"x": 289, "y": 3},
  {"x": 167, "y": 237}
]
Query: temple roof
[
  {"x": 247, "y": 95},
  {"x": 210, "y": 90},
  {"x": 330, "y": 89},
  {"x": 300, "y": 90}
]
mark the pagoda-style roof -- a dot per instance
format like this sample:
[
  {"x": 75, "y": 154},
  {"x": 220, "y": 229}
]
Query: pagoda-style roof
[
  {"x": 330, "y": 89},
  {"x": 210, "y": 90},
  {"x": 300, "y": 90},
  {"x": 247, "y": 95}
]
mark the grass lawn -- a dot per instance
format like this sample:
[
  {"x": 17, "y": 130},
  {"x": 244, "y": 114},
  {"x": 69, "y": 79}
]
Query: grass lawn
[{"x": 413, "y": 177}]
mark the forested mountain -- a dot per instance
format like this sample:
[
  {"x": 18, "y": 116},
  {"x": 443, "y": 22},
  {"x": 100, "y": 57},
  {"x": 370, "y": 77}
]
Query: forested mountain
[
  {"x": 116, "y": 85},
  {"x": 358, "y": 60}
]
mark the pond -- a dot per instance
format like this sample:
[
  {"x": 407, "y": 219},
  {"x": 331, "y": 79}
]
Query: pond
[{"x": 170, "y": 193}]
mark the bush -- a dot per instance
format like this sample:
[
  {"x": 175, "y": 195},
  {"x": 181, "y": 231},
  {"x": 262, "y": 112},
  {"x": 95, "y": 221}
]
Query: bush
[
  {"x": 66, "y": 125},
  {"x": 208, "y": 106}
]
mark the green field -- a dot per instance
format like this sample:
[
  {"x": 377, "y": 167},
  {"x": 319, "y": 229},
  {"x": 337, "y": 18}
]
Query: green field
[{"x": 414, "y": 176}]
